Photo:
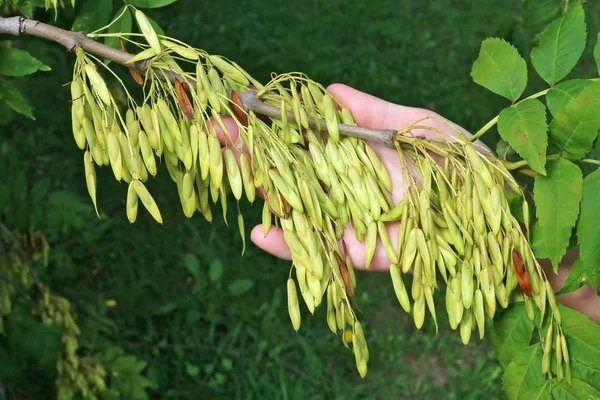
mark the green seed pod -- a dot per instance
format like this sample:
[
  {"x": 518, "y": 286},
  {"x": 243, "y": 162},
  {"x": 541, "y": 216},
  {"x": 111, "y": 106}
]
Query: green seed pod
[
  {"x": 147, "y": 153},
  {"x": 233, "y": 173},
  {"x": 410, "y": 251},
  {"x": 298, "y": 252},
  {"x": 90, "y": 178},
  {"x": 293, "y": 306},
  {"x": 419, "y": 312},
  {"x": 216, "y": 161},
  {"x": 466, "y": 326},
  {"x": 97, "y": 83},
  {"x": 478, "y": 311},
  {"x": 169, "y": 120},
  {"x": 286, "y": 191},
  {"x": 147, "y": 200},
  {"x": 387, "y": 244},
  {"x": 114, "y": 155},
  {"x": 431, "y": 305},
  {"x": 399, "y": 288},
  {"x": 467, "y": 285},
  {"x": 247, "y": 180},
  {"x": 148, "y": 31},
  {"x": 552, "y": 302},
  {"x": 380, "y": 170},
  {"x": 331, "y": 118},
  {"x": 331, "y": 322},
  {"x": 132, "y": 204},
  {"x": 371, "y": 242},
  {"x": 78, "y": 131},
  {"x": 229, "y": 70},
  {"x": 547, "y": 349}
]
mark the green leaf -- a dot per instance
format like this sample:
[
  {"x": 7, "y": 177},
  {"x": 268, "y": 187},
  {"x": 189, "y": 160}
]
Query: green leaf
[
  {"x": 576, "y": 125},
  {"x": 561, "y": 45},
  {"x": 94, "y": 14},
  {"x": 500, "y": 68},
  {"x": 524, "y": 127},
  {"x": 538, "y": 392},
  {"x": 24, "y": 7},
  {"x": 524, "y": 373},
  {"x": 511, "y": 332},
  {"x": 597, "y": 52},
  {"x": 557, "y": 198},
  {"x": 240, "y": 286},
  {"x": 151, "y": 3},
  {"x": 577, "y": 390},
  {"x": 560, "y": 95},
  {"x": 586, "y": 373},
  {"x": 192, "y": 264},
  {"x": 575, "y": 280},
  {"x": 15, "y": 100},
  {"x": 216, "y": 270},
  {"x": 17, "y": 62},
  {"x": 583, "y": 336},
  {"x": 123, "y": 24},
  {"x": 588, "y": 228},
  {"x": 537, "y": 242}
]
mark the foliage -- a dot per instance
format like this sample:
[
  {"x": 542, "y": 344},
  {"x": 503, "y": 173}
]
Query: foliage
[{"x": 162, "y": 326}]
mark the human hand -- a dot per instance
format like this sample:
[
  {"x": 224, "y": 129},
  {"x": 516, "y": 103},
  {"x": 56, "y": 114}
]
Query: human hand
[{"x": 369, "y": 112}]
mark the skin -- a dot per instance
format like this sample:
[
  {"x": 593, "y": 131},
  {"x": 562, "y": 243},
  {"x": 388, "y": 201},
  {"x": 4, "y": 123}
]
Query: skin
[{"x": 371, "y": 112}]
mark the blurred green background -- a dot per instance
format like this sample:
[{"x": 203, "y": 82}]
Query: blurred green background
[{"x": 209, "y": 322}]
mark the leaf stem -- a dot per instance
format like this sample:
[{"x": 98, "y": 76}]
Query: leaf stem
[{"x": 494, "y": 120}]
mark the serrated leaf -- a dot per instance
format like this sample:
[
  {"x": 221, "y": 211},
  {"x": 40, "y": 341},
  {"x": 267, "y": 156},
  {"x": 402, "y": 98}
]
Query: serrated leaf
[
  {"x": 240, "y": 286},
  {"x": 524, "y": 127},
  {"x": 588, "y": 228},
  {"x": 538, "y": 393},
  {"x": 537, "y": 242},
  {"x": 524, "y": 373},
  {"x": 17, "y": 62},
  {"x": 583, "y": 336},
  {"x": 576, "y": 125},
  {"x": 123, "y": 24},
  {"x": 561, "y": 45},
  {"x": 560, "y": 95},
  {"x": 511, "y": 333},
  {"x": 557, "y": 198},
  {"x": 587, "y": 373},
  {"x": 597, "y": 52},
  {"x": 575, "y": 280},
  {"x": 151, "y": 3},
  {"x": 15, "y": 100},
  {"x": 94, "y": 14},
  {"x": 500, "y": 68},
  {"x": 577, "y": 390}
]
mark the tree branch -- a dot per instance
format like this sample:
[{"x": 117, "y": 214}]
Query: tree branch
[{"x": 18, "y": 26}]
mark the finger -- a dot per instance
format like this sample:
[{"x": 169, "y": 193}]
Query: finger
[
  {"x": 229, "y": 138},
  {"x": 274, "y": 243}
]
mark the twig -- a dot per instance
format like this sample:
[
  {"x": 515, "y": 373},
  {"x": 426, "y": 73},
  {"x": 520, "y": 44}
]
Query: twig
[{"x": 18, "y": 26}]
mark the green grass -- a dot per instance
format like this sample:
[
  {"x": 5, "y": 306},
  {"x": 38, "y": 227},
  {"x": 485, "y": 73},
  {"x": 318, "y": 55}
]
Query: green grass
[{"x": 200, "y": 340}]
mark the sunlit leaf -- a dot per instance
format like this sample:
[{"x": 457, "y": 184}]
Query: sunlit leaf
[
  {"x": 557, "y": 198},
  {"x": 576, "y": 390},
  {"x": 524, "y": 373},
  {"x": 576, "y": 125},
  {"x": 560, "y": 95},
  {"x": 500, "y": 68},
  {"x": 561, "y": 45},
  {"x": 524, "y": 127},
  {"x": 588, "y": 228},
  {"x": 511, "y": 333}
]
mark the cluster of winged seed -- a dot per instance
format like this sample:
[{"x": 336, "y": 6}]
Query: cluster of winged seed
[{"x": 455, "y": 221}]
